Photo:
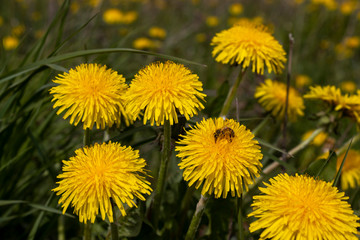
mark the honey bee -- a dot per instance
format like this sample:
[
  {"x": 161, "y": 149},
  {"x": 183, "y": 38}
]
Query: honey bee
[{"x": 224, "y": 133}]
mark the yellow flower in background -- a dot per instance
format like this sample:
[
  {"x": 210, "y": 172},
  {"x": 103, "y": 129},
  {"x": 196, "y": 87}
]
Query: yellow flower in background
[
  {"x": 329, "y": 4},
  {"x": 74, "y": 7},
  {"x": 1, "y": 21},
  {"x": 348, "y": 7},
  {"x": 245, "y": 21},
  {"x": 348, "y": 86},
  {"x": 92, "y": 94},
  {"x": 350, "y": 173},
  {"x": 302, "y": 208},
  {"x": 100, "y": 172},
  {"x": 145, "y": 43},
  {"x": 272, "y": 97},
  {"x": 200, "y": 37},
  {"x": 318, "y": 140},
  {"x": 18, "y": 30},
  {"x": 164, "y": 89},
  {"x": 113, "y": 16},
  {"x": 302, "y": 80},
  {"x": 10, "y": 42},
  {"x": 235, "y": 9},
  {"x": 352, "y": 42},
  {"x": 249, "y": 44},
  {"x": 330, "y": 94},
  {"x": 212, "y": 21},
  {"x": 94, "y": 3},
  {"x": 157, "y": 32},
  {"x": 221, "y": 155}
]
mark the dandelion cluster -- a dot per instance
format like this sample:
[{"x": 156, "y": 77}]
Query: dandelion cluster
[
  {"x": 220, "y": 154},
  {"x": 300, "y": 207},
  {"x": 96, "y": 174}
]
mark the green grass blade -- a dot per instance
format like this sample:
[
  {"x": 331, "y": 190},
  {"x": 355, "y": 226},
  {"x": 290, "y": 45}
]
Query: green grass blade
[
  {"x": 337, "y": 177},
  {"x": 67, "y": 56}
]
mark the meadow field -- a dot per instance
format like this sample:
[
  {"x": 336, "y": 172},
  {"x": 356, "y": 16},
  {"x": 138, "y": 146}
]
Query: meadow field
[{"x": 180, "y": 119}]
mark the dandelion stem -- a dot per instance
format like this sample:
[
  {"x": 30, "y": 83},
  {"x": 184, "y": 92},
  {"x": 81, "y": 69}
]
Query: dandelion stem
[
  {"x": 195, "y": 221},
  {"x": 113, "y": 225},
  {"x": 230, "y": 97},
  {"x": 240, "y": 219},
  {"x": 160, "y": 184},
  {"x": 87, "y": 226}
]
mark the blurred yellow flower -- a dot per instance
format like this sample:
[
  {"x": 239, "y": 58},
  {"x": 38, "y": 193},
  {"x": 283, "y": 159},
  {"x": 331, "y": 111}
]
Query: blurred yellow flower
[
  {"x": 74, "y": 7},
  {"x": 115, "y": 16},
  {"x": 212, "y": 21},
  {"x": 92, "y": 94},
  {"x": 236, "y": 9},
  {"x": 272, "y": 97},
  {"x": 164, "y": 90},
  {"x": 18, "y": 30},
  {"x": 347, "y": 7},
  {"x": 94, "y": 3},
  {"x": 10, "y": 42},
  {"x": 100, "y": 172},
  {"x": 200, "y": 37},
  {"x": 1, "y": 21},
  {"x": 352, "y": 42},
  {"x": 318, "y": 140},
  {"x": 302, "y": 80},
  {"x": 145, "y": 43},
  {"x": 303, "y": 208},
  {"x": 247, "y": 44},
  {"x": 329, "y": 94},
  {"x": 157, "y": 32},
  {"x": 350, "y": 174},
  {"x": 348, "y": 86},
  {"x": 329, "y": 4},
  {"x": 222, "y": 155}
]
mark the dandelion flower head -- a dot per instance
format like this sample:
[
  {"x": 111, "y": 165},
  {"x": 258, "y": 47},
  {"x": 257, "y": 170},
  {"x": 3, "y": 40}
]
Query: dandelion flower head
[
  {"x": 220, "y": 154},
  {"x": 300, "y": 207},
  {"x": 100, "y": 172},
  {"x": 330, "y": 94},
  {"x": 318, "y": 140},
  {"x": 162, "y": 89},
  {"x": 272, "y": 97},
  {"x": 350, "y": 172},
  {"x": 246, "y": 44},
  {"x": 91, "y": 93}
]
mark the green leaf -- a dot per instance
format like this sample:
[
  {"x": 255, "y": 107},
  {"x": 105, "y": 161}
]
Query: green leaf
[
  {"x": 323, "y": 168},
  {"x": 337, "y": 177}
]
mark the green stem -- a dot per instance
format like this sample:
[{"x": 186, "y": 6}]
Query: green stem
[
  {"x": 87, "y": 140},
  {"x": 87, "y": 226},
  {"x": 261, "y": 125},
  {"x": 160, "y": 184},
  {"x": 195, "y": 221},
  {"x": 87, "y": 231},
  {"x": 61, "y": 228},
  {"x": 231, "y": 95},
  {"x": 113, "y": 225},
  {"x": 240, "y": 219}
]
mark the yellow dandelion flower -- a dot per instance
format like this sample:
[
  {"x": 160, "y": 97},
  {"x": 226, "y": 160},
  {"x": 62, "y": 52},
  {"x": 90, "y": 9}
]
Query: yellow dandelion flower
[
  {"x": 302, "y": 208},
  {"x": 200, "y": 37},
  {"x": 10, "y": 42},
  {"x": 329, "y": 94},
  {"x": 130, "y": 17},
  {"x": 348, "y": 7},
  {"x": 212, "y": 21},
  {"x": 302, "y": 80},
  {"x": 235, "y": 9},
  {"x": 113, "y": 16},
  {"x": 350, "y": 173},
  {"x": 100, "y": 172},
  {"x": 18, "y": 30},
  {"x": 144, "y": 43},
  {"x": 91, "y": 93},
  {"x": 318, "y": 140},
  {"x": 222, "y": 154},
  {"x": 162, "y": 89},
  {"x": 329, "y": 4},
  {"x": 249, "y": 43},
  {"x": 272, "y": 97},
  {"x": 350, "y": 106},
  {"x": 157, "y": 32},
  {"x": 348, "y": 86},
  {"x": 352, "y": 42}
]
